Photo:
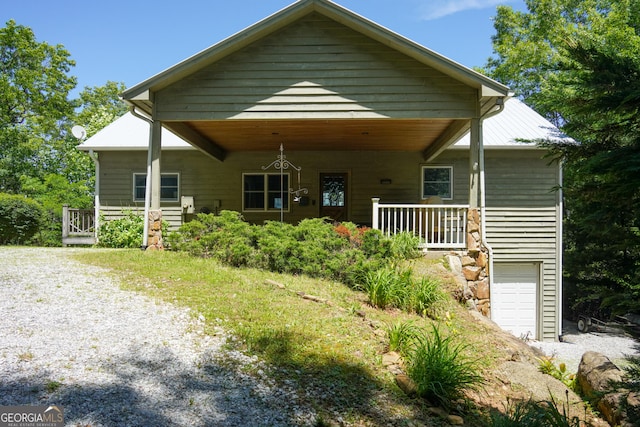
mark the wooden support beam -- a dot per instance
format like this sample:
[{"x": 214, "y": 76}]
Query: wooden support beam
[{"x": 196, "y": 139}]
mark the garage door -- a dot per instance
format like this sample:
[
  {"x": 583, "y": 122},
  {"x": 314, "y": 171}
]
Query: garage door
[{"x": 514, "y": 298}]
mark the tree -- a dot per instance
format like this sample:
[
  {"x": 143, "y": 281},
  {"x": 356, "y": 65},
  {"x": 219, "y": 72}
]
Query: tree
[
  {"x": 38, "y": 155},
  {"x": 72, "y": 180},
  {"x": 582, "y": 69},
  {"x": 34, "y": 88}
]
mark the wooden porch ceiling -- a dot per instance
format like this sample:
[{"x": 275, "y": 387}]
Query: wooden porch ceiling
[{"x": 321, "y": 134}]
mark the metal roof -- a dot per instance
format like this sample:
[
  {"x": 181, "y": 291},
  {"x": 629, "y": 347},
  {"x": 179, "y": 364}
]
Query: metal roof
[
  {"x": 130, "y": 133},
  {"x": 514, "y": 126}
]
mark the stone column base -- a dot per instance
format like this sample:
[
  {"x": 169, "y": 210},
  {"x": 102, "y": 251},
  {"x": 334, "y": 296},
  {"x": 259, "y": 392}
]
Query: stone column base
[{"x": 155, "y": 231}]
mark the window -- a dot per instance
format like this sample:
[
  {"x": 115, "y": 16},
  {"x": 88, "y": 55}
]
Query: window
[
  {"x": 169, "y": 187},
  {"x": 264, "y": 192},
  {"x": 437, "y": 181}
]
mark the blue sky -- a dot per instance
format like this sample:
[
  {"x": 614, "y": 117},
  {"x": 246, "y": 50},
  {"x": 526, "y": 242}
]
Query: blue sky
[{"x": 131, "y": 40}]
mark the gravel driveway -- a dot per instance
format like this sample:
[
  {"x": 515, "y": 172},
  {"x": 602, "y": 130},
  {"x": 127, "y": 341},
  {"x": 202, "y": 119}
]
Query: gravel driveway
[
  {"x": 70, "y": 336},
  {"x": 615, "y": 344}
]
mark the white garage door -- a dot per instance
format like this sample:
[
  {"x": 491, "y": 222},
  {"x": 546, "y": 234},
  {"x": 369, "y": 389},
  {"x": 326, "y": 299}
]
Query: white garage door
[{"x": 514, "y": 298}]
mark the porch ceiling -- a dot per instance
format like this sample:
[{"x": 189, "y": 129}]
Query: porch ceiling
[{"x": 321, "y": 134}]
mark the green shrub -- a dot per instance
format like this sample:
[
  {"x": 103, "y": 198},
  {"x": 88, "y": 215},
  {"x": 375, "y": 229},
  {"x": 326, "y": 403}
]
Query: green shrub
[
  {"x": 405, "y": 246},
  {"x": 389, "y": 286},
  {"x": 401, "y": 336},
  {"x": 125, "y": 232},
  {"x": 226, "y": 237},
  {"x": 20, "y": 218},
  {"x": 546, "y": 366},
  {"x": 375, "y": 244},
  {"x": 315, "y": 247},
  {"x": 440, "y": 369},
  {"x": 423, "y": 297},
  {"x": 384, "y": 287}
]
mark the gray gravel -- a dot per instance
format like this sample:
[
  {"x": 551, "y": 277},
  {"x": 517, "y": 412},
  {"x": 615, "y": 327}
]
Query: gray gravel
[
  {"x": 614, "y": 343},
  {"x": 70, "y": 336}
]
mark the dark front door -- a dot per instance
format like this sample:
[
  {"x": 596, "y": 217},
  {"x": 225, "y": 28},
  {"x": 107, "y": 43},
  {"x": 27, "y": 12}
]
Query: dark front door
[{"x": 333, "y": 196}]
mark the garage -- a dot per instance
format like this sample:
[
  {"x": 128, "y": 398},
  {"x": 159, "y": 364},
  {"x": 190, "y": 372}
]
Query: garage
[{"x": 514, "y": 298}]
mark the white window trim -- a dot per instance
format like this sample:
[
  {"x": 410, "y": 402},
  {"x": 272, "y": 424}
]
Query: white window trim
[
  {"x": 422, "y": 195},
  {"x": 177, "y": 174},
  {"x": 266, "y": 193}
]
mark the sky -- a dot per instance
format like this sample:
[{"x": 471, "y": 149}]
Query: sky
[{"x": 131, "y": 40}]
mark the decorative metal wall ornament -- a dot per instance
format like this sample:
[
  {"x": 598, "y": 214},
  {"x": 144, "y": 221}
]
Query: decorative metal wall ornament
[{"x": 282, "y": 164}]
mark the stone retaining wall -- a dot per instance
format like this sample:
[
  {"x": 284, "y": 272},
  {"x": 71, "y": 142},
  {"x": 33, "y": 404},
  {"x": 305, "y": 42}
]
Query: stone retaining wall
[{"x": 472, "y": 267}]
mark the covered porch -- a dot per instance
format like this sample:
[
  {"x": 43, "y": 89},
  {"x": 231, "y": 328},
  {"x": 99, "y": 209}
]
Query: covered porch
[{"x": 323, "y": 80}]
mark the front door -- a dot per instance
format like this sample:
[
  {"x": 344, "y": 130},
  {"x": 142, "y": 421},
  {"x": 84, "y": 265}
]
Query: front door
[{"x": 333, "y": 196}]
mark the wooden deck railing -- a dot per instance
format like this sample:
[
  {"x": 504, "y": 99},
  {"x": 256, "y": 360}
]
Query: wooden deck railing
[
  {"x": 78, "y": 226},
  {"x": 437, "y": 226}
]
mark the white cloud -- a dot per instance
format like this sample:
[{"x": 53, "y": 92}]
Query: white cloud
[{"x": 435, "y": 9}]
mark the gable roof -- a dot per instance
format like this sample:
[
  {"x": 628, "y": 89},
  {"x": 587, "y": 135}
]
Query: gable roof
[
  {"x": 140, "y": 94},
  {"x": 517, "y": 126},
  {"x": 517, "y": 122}
]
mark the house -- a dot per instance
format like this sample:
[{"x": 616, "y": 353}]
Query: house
[{"x": 316, "y": 111}]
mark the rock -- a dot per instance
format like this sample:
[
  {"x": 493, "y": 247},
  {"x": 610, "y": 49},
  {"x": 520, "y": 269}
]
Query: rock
[
  {"x": 455, "y": 264},
  {"x": 595, "y": 374},
  {"x": 539, "y": 387},
  {"x": 596, "y": 377},
  {"x": 472, "y": 289},
  {"x": 437, "y": 411},
  {"x": 473, "y": 220},
  {"x": 461, "y": 281},
  {"x": 467, "y": 261},
  {"x": 482, "y": 290},
  {"x": 406, "y": 384},
  {"x": 473, "y": 242},
  {"x": 471, "y": 305},
  {"x": 391, "y": 358},
  {"x": 455, "y": 420},
  {"x": 484, "y": 307},
  {"x": 471, "y": 273},
  {"x": 482, "y": 260},
  {"x": 609, "y": 407}
]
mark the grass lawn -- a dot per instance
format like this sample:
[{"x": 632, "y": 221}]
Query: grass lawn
[{"x": 329, "y": 345}]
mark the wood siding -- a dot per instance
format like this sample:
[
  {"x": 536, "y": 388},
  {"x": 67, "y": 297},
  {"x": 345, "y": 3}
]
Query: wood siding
[
  {"x": 530, "y": 235},
  {"x": 209, "y": 181},
  {"x": 316, "y": 68},
  {"x": 522, "y": 219},
  {"x": 172, "y": 215}
]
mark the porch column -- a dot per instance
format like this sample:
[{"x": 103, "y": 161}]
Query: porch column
[
  {"x": 155, "y": 149},
  {"x": 476, "y": 165},
  {"x": 475, "y": 148},
  {"x": 152, "y": 238}
]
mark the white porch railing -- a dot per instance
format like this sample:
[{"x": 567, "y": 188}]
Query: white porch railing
[
  {"x": 78, "y": 226},
  {"x": 437, "y": 226}
]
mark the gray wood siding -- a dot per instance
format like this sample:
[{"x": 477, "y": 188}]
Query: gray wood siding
[
  {"x": 316, "y": 68},
  {"x": 208, "y": 180},
  {"x": 522, "y": 218},
  {"x": 172, "y": 215},
  {"x": 530, "y": 235}
]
